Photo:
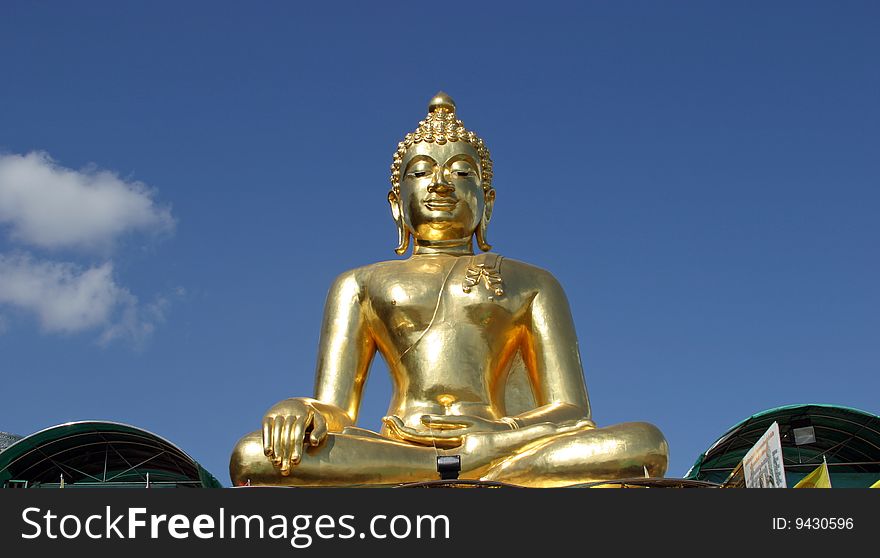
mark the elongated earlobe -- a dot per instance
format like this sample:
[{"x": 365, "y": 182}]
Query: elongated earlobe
[
  {"x": 481, "y": 236},
  {"x": 484, "y": 221},
  {"x": 397, "y": 215},
  {"x": 402, "y": 239}
]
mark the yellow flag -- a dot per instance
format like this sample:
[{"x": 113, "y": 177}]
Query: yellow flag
[
  {"x": 817, "y": 479},
  {"x": 875, "y": 485}
]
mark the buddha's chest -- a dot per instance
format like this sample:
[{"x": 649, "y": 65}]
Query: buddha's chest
[{"x": 439, "y": 296}]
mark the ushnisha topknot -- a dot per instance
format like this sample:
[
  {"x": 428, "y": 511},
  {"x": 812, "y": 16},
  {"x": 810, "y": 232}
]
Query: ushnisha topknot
[{"x": 441, "y": 126}]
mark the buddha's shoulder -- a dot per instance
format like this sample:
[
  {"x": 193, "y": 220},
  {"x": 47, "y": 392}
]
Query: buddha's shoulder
[
  {"x": 525, "y": 275},
  {"x": 528, "y": 275},
  {"x": 366, "y": 274},
  {"x": 517, "y": 266}
]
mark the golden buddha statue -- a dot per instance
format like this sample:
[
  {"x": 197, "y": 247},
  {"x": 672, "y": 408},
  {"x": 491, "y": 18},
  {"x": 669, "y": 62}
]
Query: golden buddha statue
[{"x": 481, "y": 349}]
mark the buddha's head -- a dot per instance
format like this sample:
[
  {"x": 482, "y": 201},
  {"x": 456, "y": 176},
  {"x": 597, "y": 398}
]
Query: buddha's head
[{"x": 441, "y": 182}]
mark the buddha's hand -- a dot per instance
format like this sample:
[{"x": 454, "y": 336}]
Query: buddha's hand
[
  {"x": 445, "y": 431},
  {"x": 297, "y": 421}
]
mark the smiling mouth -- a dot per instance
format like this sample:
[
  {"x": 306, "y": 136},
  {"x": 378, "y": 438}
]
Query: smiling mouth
[{"x": 445, "y": 204}]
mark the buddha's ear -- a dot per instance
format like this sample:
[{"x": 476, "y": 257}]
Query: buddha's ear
[
  {"x": 489, "y": 198},
  {"x": 397, "y": 215},
  {"x": 394, "y": 202},
  {"x": 489, "y": 205}
]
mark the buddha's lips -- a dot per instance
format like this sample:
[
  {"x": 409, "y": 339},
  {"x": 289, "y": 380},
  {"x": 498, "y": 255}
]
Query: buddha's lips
[{"x": 445, "y": 204}]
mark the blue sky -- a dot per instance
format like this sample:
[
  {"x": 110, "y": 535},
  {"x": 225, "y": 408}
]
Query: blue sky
[{"x": 179, "y": 185}]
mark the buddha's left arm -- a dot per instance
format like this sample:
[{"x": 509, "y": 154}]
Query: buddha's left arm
[{"x": 550, "y": 351}]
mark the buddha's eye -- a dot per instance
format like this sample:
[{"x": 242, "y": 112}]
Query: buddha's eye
[
  {"x": 420, "y": 169},
  {"x": 462, "y": 169}
]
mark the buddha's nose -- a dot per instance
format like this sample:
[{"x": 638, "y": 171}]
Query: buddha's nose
[{"x": 441, "y": 187}]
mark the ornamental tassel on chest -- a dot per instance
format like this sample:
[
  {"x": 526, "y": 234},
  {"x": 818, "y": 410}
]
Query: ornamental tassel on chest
[{"x": 485, "y": 268}]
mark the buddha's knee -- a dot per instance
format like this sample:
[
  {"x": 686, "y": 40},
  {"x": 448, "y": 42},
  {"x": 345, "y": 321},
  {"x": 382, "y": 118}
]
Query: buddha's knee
[
  {"x": 616, "y": 451},
  {"x": 248, "y": 462},
  {"x": 647, "y": 444},
  {"x": 627, "y": 448}
]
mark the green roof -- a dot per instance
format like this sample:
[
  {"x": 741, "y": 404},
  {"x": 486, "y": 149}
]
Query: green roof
[
  {"x": 100, "y": 453},
  {"x": 848, "y": 439}
]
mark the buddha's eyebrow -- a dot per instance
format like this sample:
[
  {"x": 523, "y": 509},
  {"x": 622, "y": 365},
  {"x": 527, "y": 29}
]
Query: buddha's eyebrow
[
  {"x": 419, "y": 159},
  {"x": 463, "y": 157}
]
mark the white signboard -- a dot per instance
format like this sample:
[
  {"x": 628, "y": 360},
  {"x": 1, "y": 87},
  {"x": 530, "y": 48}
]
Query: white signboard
[{"x": 762, "y": 465}]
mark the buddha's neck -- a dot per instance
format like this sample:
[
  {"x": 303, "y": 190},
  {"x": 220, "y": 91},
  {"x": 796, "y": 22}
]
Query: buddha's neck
[{"x": 460, "y": 247}]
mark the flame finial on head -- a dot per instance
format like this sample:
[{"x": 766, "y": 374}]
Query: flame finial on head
[{"x": 441, "y": 125}]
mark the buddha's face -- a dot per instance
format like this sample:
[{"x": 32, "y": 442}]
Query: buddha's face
[{"x": 441, "y": 191}]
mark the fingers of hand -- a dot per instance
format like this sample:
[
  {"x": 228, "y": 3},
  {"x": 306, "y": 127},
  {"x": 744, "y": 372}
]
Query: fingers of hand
[
  {"x": 408, "y": 433},
  {"x": 267, "y": 437},
  {"x": 285, "y": 435},
  {"x": 447, "y": 422},
  {"x": 393, "y": 423},
  {"x": 399, "y": 428},
  {"x": 286, "y": 442},
  {"x": 319, "y": 429},
  {"x": 277, "y": 440},
  {"x": 297, "y": 436}
]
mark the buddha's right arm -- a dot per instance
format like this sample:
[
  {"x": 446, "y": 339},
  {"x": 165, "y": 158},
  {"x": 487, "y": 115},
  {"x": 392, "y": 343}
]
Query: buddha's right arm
[
  {"x": 346, "y": 347},
  {"x": 344, "y": 355}
]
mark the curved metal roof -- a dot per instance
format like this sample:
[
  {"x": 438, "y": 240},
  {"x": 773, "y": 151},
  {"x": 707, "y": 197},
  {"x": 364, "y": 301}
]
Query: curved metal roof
[
  {"x": 90, "y": 453},
  {"x": 849, "y": 439}
]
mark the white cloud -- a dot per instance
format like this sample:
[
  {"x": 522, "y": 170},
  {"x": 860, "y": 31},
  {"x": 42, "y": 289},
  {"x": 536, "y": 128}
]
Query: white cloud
[
  {"x": 50, "y": 206},
  {"x": 66, "y": 298},
  {"x": 135, "y": 322}
]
